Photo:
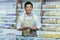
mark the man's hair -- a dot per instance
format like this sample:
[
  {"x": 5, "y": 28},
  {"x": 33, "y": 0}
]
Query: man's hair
[{"x": 28, "y": 3}]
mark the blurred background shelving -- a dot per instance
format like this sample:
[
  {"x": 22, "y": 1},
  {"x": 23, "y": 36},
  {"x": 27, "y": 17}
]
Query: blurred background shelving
[
  {"x": 7, "y": 13},
  {"x": 50, "y": 18},
  {"x": 47, "y": 10}
]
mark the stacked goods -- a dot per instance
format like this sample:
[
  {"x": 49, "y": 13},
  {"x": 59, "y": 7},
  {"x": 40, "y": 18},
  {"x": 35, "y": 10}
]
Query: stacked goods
[
  {"x": 49, "y": 21},
  {"x": 50, "y": 34},
  {"x": 49, "y": 28},
  {"x": 57, "y": 13},
  {"x": 52, "y": 13},
  {"x": 57, "y": 5},
  {"x": 51, "y": 6},
  {"x": 58, "y": 21},
  {"x": 58, "y": 29}
]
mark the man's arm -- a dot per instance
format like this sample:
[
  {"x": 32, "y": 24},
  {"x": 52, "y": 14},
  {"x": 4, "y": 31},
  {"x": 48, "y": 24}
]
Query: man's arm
[
  {"x": 19, "y": 23},
  {"x": 37, "y": 21}
]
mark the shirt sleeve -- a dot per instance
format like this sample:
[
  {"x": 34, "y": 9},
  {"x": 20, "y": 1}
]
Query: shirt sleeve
[
  {"x": 18, "y": 23},
  {"x": 38, "y": 22}
]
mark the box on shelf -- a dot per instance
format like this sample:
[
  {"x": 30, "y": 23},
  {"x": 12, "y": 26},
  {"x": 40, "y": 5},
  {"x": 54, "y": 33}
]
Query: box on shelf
[
  {"x": 48, "y": 35},
  {"x": 49, "y": 21},
  {"x": 58, "y": 29},
  {"x": 49, "y": 28},
  {"x": 50, "y": 13},
  {"x": 51, "y": 6},
  {"x": 51, "y": 35},
  {"x": 58, "y": 21}
]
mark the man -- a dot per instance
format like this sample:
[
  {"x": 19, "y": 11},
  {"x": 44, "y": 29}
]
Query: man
[{"x": 29, "y": 20}]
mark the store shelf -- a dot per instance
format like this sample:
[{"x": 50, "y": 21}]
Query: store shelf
[
  {"x": 7, "y": 22},
  {"x": 8, "y": 32},
  {"x": 51, "y": 12},
  {"x": 51, "y": 17},
  {"x": 7, "y": 37},
  {"x": 52, "y": 24},
  {"x": 34, "y": 38},
  {"x": 51, "y": 9},
  {"x": 7, "y": 16}
]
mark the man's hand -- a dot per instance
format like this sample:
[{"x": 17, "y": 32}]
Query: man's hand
[
  {"x": 21, "y": 28},
  {"x": 34, "y": 28}
]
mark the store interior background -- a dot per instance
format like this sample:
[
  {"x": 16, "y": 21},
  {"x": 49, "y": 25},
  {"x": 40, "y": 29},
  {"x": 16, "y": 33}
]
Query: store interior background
[
  {"x": 47, "y": 10},
  {"x": 49, "y": 13}
]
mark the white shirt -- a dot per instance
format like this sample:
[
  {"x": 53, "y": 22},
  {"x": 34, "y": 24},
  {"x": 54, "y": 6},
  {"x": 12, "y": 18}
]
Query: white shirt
[{"x": 36, "y": 19}]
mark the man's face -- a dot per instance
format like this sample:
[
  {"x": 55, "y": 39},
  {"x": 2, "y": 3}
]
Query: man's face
[{"x": 28, "y": 8}]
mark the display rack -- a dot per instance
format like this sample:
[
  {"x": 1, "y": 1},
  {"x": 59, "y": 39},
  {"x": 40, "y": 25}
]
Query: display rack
[
  {"x": 48, "y": 10},
  {"x": 50, "y": 18},
  {"x": 8, "y": 13},
  {"x": 3, "y": 37}
]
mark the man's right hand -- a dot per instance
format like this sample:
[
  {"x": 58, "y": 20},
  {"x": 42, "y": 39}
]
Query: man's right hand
[{"x": 21, "y": 28}]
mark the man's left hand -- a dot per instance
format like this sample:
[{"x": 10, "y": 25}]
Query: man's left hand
[{"x": 34, "y": 28}]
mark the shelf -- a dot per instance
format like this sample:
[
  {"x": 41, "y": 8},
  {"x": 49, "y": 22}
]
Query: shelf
[
  {"x": 51, "y": 9},
  {"x": 7, "y": 22},
  {"x": 52, "y": 24},
  {"x": 48, "y": 32},
  {"x": 50, "y": 16},
  {"x": 7, "y": 16},
  {"x": 34, "y": 38},
  {"x": 7, "y": 31}
]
